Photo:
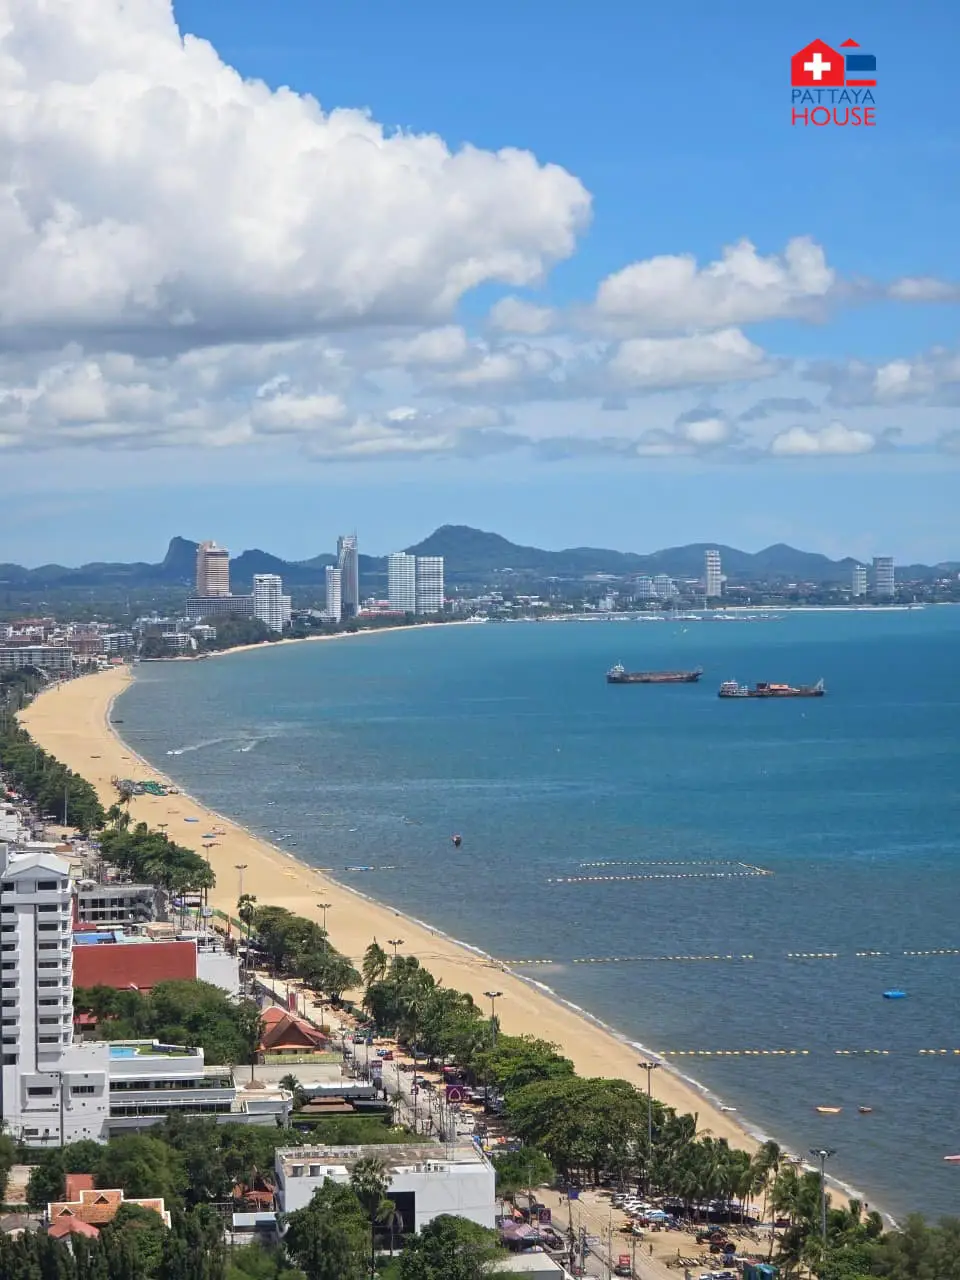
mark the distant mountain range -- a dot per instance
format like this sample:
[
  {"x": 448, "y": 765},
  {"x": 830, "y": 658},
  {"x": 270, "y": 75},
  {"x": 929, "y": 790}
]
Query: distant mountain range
[{"x": 470, "y": 555}]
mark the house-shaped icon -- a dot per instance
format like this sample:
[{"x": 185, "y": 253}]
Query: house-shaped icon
[{"x": 817, "y": 67}]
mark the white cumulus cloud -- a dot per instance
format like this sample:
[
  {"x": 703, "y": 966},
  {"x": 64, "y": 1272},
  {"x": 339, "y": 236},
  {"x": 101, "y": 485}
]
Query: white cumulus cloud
[
  {"x": 835, "y": 439},
  {"x": 513, "y": 315},
  {"x": 148, "y": 192},
  {"x": 673, "y": 293},
  {"x": 724, "y": 356}
]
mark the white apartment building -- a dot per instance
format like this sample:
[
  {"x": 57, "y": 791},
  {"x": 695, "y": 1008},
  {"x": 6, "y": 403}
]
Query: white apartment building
[
  {"x": 333, "y": 603},
  {"x": 664, "y": 586},
  {"x": 213, "y": 570},
  {"x": 51, "y": 1090},
  {"x": 402, "y": 582},
  {"x": 884, "y": 584},
  {"x": 268, "y": 600},
  {"x": 426, "y": 1179},
  {"x": 56, "y": 660},
  {"x": 199, "y": 607},
  {"x": 54, "y": 1090},
  {"x": 429, "y": 584},
  {"x": 712, "y": 574},
  {"x": 348, "y": 562},
  {"x": 858, "y": 585}
]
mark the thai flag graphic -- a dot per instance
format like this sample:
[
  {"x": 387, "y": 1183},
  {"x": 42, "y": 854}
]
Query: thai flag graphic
[{"x": 860, "y": 65}]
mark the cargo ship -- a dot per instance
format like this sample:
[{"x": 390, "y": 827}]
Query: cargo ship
[
  {"x": 730, "y": 689},
  {"x": 620, "y": 675}
]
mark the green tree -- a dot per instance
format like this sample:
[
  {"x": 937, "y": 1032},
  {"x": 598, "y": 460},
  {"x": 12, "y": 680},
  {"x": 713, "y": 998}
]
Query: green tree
[
  {"x": 522, "y": 1170},
  {"x": 328, "y": 1238},
  {"x": 143, "y": 1166},
  {"x": 450, "y": 1248}
]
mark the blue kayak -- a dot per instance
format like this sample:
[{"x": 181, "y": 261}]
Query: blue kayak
[{"x": 895, "y": 995}]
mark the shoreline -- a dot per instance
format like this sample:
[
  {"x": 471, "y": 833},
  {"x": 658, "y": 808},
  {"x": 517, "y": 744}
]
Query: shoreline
[
  {"x": 262, "y": 645},
  {"x": 73, "y": 722}
]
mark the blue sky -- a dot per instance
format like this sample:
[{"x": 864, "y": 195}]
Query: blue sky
[{"x": 259, "y": 386}]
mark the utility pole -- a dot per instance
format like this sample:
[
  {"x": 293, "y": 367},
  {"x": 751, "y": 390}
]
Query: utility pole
[
  {"x": 823, "y": 1154},
  {"x": 324, "y": 907},
  {"x": 66, "y": 801}
]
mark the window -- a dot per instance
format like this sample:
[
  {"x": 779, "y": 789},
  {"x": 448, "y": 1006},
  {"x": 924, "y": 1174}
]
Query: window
[
  {"x": 46, "y": 927},
  {"x": 48, "y": 884},
  {"x": 10, "y": 1060},
  {"x": 7, "y": 986},
  {"x": 8, "y": 887},
  {"x": 82, "y": 1089},
  {"x": 49, "y": 1039},
  {"x": 48, "y": 906},
  {"x": 40, "y": 1092},
  {"x": 7, "y": 1004}
]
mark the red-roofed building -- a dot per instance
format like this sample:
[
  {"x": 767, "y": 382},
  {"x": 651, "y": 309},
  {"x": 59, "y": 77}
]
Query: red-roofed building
[
  {"x": 133, "y": 964},
  {"x": 96, "y": 1207},
  {"x": 72, "y": 1227},
  {"x": 285, "y": 1033},
  {"x": 75, "y": 1183}
]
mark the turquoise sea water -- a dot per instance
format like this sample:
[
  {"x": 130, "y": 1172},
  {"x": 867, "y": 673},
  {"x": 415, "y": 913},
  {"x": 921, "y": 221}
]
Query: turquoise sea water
[{"x": 374, "y": 751}]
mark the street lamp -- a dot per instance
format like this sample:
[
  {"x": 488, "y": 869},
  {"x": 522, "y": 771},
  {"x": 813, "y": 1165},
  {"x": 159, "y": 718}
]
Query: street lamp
[
  {"x": 649, "y": 1068},
  {"x": 493, "y": 997},
  {"x": 395, "y": 942},
  {"x": 823, "y": 1154},
  {"x": 241, "y": 867},
  {"x": 324, "y": 906}
]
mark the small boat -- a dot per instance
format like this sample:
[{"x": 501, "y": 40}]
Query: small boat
[
  {"x": 952, "y": 1159},
  {"x": 865, "y": 1111},
  {"x": 895, "y": 994},
  {"x": 457, "y": 841},
  {"x": 829, "y": 1111}
]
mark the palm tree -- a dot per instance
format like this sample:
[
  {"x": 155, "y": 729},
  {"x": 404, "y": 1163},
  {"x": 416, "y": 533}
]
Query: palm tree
[
  {"x": 374, "y": 967},
  {"x": 369, "y": 1181}
]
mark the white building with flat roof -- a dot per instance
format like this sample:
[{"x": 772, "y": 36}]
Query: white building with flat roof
[
  {"x": 402, "y": 582},
  {"x": 884, "y": 582},
  {"x": 858, "y": 584},
  {"x": 333, "y": 603},
  {"x": 55, "y": 659},
  {"x": 712, "y": 574},
  {"x": 429, "y": 584},
  {"x": 426, "y": 1180},
  {"x": 51, "y": 1090},
  {"x": 268, "y": 600}
]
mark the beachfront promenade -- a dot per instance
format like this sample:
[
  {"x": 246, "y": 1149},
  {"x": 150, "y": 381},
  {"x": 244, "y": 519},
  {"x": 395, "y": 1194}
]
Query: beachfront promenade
[{"x": 71, "y": 722}]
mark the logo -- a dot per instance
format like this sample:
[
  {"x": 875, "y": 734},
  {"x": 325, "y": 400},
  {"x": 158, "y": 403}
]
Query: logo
[{"x": 833, "y": 88}]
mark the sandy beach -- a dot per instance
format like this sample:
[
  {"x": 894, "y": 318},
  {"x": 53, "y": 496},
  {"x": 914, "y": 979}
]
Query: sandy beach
[{"x": 72, "y": 722}]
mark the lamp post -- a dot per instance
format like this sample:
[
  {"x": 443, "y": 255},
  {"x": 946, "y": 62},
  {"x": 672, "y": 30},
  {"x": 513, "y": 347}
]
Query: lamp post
[
  {"x": 493, "y": 997},
  {"x": 241, "y": 868},
  {"x": 324, "y": 907},
  {"x": 649, "y": 1068},
  {"x": 823, "y": 1154},
  {"x": 395, "y": 942}
]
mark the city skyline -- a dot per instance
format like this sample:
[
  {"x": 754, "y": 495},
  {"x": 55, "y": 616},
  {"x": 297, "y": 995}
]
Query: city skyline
[{"x": 566, "y": 307}]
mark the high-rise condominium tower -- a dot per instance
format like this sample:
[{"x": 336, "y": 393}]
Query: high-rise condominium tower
[
  {"x": 884, "y": 585},
  {"x": 713, "y": 579},
  {"x": 402, "y": 582},
  {"x": 429, "y": 583},
  {"x": 859, "y": 583},
  {"x": 333, "y": 605},
  {"x": 348, "y": 562},
  {"x": 213, "y": 570},
  {"x": 268, "y": 599}
]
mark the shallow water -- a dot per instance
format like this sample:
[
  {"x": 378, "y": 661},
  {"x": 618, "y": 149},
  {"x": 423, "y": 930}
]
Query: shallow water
[{"x": 373, "y": 752}]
